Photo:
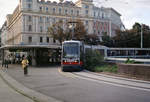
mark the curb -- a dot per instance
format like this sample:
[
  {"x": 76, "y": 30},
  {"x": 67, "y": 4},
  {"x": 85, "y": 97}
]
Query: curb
[
  {"x": 119, "y": 78},
  {"x": 140, "y": 86},
  {"x": 29, "y": 93}
]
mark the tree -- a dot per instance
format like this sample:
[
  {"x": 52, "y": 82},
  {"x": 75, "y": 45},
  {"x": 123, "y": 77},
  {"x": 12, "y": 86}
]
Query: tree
[
  {"x": 136, "y": 27},
  {"x": 60, "y": 31},
  {"x": 56, "y": 31},
  {"x": 92, "y": 39},
  {"x": 107, "y": 40},
  {"x": 79, "y": 31},
  {"x": 132, "y": 37},
  {"x": 128, "y": 38}
]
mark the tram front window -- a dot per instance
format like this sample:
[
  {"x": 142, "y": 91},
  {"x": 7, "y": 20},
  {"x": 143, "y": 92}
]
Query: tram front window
[{"x": 70, "y": 50}]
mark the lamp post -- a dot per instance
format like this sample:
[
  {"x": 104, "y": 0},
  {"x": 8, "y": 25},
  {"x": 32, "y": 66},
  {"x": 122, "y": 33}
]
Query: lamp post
[
  {"x": 141, "y": 36},
  {"x": 72, "y": 26}
]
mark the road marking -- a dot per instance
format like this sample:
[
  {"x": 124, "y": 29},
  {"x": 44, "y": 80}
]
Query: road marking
[{"x": 67, "y": 74}]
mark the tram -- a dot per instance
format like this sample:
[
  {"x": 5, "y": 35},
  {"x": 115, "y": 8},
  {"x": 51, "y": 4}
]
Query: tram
[{"x": 72, "y": 56}]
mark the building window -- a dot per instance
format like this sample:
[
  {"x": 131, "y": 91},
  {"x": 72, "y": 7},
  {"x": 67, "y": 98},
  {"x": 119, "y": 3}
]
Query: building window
[
  {"x": 98, "y": 14},
  {"x": 29, "y": 18},
  {"x": 40, "y": 8},
  {"x": 29, "y": 6},
  {"x": 94, "y": 14},
  {"x": 30, "y": 28},
  {"x": 59, "y": 10},
  {"x": 29, "y": 0},
  {"x": 94, "y": 31},
  {"x": 41, "y": 19},
  {"x": 77, "y": 12},
  {"x": 54, "y": 10},
  {"x": 54, "y": 41},
  {"x": 86, "y": 6},
  {"x": 46, "y": 9},
  {"x": 66, "y": 12},
  {"x": 87, "y": 23},
  {"x": 54, "y": 20},
  {"x": 47, "y": 39},
  {"x": 41, "y": 29},
  {"x": 41, "y": 39},
  {"x": 87, "y": 30},
  {"x": 87, "y": 12},
  {"x": 47, "y": 29},
  {"x": 47, "y": 19},
  {"x": 94, "y": 24},
  {"x": 30, "y": 39},
  {"x": 99, "y": 32},
  {"x": 102, "y": 15},
  {"x": 71, "y": 12}
]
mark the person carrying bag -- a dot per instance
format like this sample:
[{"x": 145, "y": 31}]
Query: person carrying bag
[{"x": 25, "y": 64}]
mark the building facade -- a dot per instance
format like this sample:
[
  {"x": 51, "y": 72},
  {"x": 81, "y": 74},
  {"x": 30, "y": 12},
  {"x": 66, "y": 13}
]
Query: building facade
[{"x": 28, "y": 24}]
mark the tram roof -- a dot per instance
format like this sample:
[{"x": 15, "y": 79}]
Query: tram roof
[
  {"x": 8, "y": 47},
  {"x": 129, "y": 48},
  {"x": 74, "y": 41}
]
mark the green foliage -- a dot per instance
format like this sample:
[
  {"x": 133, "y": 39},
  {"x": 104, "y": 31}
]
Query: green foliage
[
  {"x": 94, "y": 61},
  {"x": 56, "y": 31},
  {"x": 60, "y": 31},
  {"x": 128, "y": 61},
  {"x": 93, "y": 58},
  {"x": 79, "y": 31},
  {"x": 92, "y": 39},
  {"x": 129, "y": 38},
  {"x": 106, "y": 68},
  {"x": 137, "y": 27},
  {"x": 107, "y": 40}
]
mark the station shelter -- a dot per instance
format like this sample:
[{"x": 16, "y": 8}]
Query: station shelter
[{"x": 36, "y": 54}]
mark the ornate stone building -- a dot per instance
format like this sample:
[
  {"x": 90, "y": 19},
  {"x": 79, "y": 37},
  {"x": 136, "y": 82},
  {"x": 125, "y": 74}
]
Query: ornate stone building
[{"x": 29, "y": 22}]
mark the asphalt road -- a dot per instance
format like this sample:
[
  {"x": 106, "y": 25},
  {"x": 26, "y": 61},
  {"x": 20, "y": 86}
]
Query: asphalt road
[{"x": 69, "y": 88}]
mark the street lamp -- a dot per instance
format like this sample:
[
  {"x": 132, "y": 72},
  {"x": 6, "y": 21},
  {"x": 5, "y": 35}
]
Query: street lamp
[
  {"x": 141, "y": 36},
  {"x": 71, "y": 26}
]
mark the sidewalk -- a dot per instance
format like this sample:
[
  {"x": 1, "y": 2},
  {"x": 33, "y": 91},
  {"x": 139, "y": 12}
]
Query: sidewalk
[
  {"x": 132, "y": 83},
  {"x": 7, "y": 94},
  {"x": 18, "y": 88}
]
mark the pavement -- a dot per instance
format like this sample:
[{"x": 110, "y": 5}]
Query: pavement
[
  {"x": 50, "y": 84},
  {"x": 7, "y": 94},
  {"x": 118, "y": 81},
  {"x": 13, "y": 91}
]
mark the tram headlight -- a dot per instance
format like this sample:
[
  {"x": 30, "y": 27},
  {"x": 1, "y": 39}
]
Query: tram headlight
[{"x": 76, "y": 61}]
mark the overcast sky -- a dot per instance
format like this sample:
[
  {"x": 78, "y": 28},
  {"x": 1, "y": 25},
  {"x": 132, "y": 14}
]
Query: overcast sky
[{"x": 131, "y": 10}]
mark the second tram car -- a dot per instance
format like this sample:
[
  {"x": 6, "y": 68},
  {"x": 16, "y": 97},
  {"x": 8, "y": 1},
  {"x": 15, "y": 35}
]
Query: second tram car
[{"x": 72, "y": 56}]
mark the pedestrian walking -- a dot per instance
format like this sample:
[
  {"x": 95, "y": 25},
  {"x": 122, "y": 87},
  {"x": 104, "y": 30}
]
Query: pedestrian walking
[
  {"x": 6, "y": 62},
  {"x": 25, "y": 64}
]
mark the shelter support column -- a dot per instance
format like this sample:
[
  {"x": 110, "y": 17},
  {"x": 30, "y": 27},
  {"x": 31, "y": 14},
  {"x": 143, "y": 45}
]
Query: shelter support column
[
  {"x": 3, "y": 54},
  {"x": 33, "y": 57}
]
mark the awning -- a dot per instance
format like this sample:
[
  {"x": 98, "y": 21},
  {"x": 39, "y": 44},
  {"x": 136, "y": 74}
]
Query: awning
[{"x": 23, "y": 47}]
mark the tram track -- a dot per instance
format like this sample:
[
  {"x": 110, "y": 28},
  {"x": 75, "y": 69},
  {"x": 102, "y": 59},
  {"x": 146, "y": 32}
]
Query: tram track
[{"x": 119, "y": 83}]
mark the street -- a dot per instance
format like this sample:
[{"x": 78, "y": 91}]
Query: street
[
  {"x": 7, "y": 94},
  {"x": 69, "y": 88}
]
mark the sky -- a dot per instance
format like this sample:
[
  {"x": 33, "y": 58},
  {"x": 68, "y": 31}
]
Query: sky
[{"x": 131, "y": 10}]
